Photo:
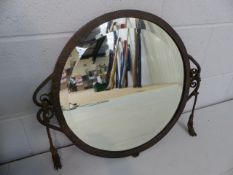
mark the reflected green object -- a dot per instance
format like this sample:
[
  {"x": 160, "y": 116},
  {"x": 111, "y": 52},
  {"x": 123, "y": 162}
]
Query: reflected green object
[{"x": 100, "y": 87}]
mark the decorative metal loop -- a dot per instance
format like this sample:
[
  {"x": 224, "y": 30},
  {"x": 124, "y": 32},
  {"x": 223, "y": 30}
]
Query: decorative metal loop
[
  {"x": 46, "y": 106},
  {"x": 38, "y": 89},
  {"x": 45, "y": 97},
  {"x": 44, "y": 101},
  {"x": 48, "y": 112},
  {"x": 45, "y": 121},
  {"x": 44, "y": 115},
  {"x": 195, "y": 80}
]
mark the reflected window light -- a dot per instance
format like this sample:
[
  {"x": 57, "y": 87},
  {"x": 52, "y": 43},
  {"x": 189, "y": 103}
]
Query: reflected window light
[
  {"x": 81, "y": 50},
  {"x": 103, "y": 28}
]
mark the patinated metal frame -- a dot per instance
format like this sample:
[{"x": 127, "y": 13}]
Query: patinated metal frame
[{"x": 50, "y": 103}]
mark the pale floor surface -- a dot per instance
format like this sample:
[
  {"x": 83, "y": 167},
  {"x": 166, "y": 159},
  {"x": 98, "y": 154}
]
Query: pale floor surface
[
  {"x": 90, "y": 96},
  {"x": 126, "y": 122},
  {"x": 210, "y": 153}
]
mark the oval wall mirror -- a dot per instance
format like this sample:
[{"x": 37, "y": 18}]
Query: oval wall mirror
[{"x": 119, "y": 85}]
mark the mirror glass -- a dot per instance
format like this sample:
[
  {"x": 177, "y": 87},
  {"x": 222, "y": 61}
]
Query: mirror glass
[{"x": 121, "y": 84}]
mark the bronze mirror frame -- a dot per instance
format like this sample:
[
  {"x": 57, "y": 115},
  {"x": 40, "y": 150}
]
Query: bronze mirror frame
[{"x": 49, "y": 103}]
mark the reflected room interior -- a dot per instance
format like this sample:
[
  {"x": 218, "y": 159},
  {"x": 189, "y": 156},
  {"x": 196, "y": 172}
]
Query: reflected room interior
[{"x": 120, "y": 70}]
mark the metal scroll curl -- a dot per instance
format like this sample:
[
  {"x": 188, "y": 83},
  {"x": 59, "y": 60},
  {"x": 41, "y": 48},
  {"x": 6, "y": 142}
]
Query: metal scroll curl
[
  {"x": 194, "y": 84},
  {"x": 44, "y": 116},
  {"x": 46, "y": 112}
]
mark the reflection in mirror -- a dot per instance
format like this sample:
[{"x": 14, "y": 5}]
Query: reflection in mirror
[{"x": 122, "y": 84}]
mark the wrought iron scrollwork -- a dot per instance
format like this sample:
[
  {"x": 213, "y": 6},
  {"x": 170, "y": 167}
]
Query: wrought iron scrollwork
[
  {"x": 44, "y": 116},
  {"x": 195, "y": 77},
  {"x": 44, "y": 101},
  {"x": 194, "y": 84},
  {"x": 46, "y": 111}
]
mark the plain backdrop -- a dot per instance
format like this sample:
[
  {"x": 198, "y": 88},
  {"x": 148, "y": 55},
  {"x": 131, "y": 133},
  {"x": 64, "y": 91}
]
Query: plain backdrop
[{"x": 33, "y": 33}]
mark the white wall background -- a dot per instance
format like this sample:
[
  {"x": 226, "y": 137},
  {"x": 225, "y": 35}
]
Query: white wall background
[{"x": 33, "y": 33}]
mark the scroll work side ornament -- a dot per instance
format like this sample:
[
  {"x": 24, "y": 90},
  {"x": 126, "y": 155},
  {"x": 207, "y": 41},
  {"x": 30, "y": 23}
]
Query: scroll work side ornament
[
  {"x": 44, "y": 115},
  {"x": 195, "y": 80}
]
